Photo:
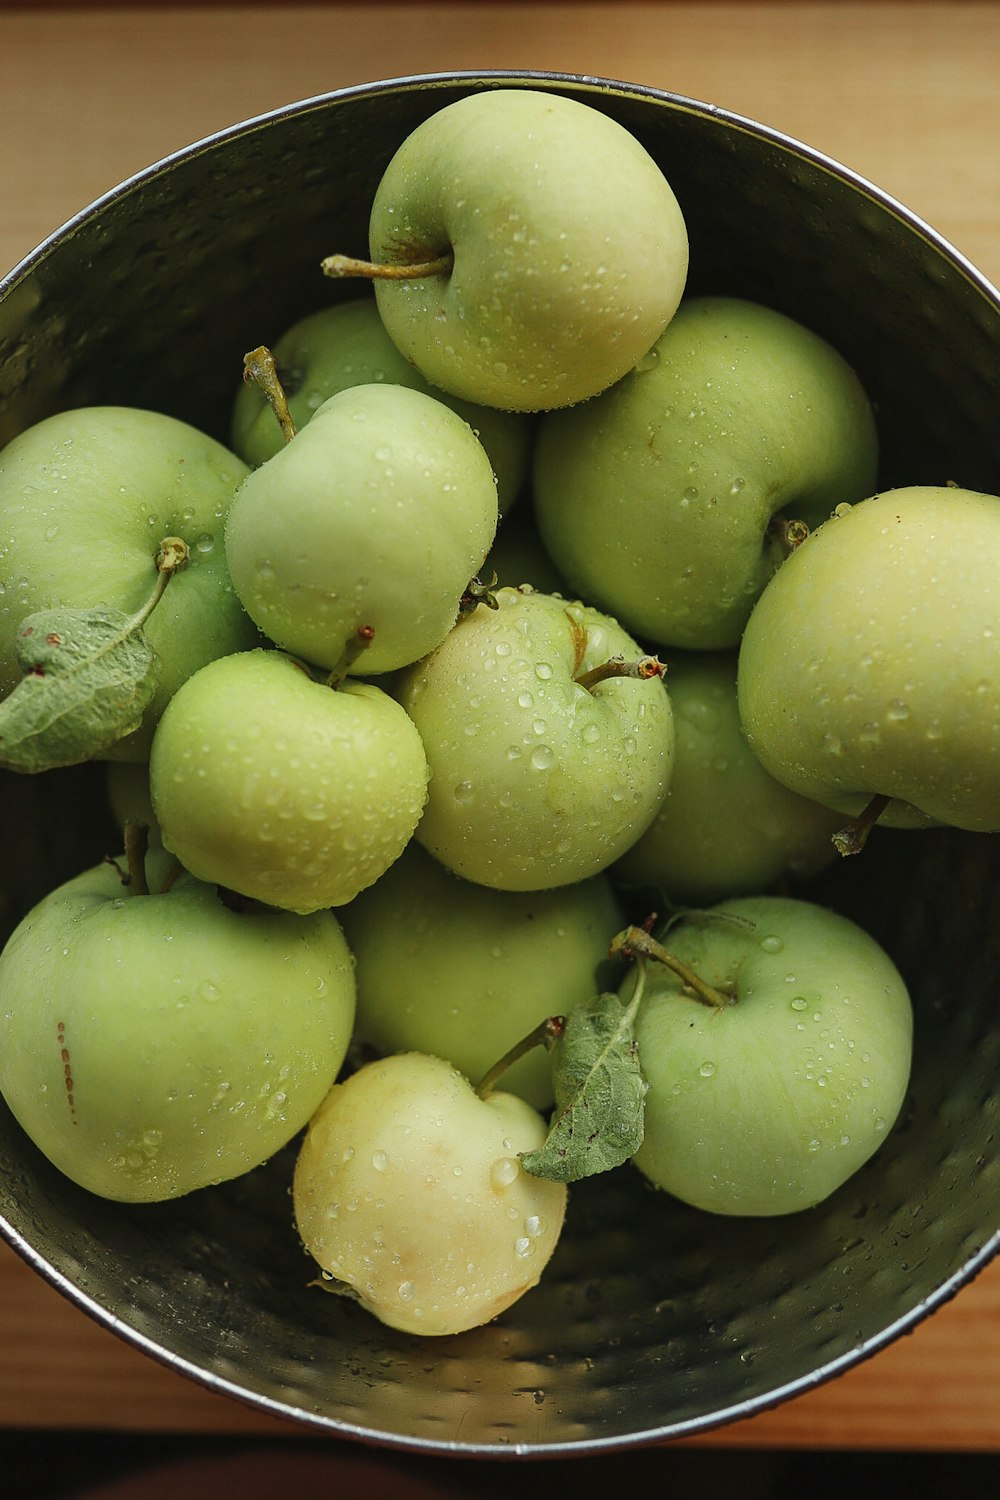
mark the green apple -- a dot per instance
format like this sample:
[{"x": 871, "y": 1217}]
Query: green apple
[
  {"x": 153, "y": 1043},
  {"x": 347, "y": 345},
  {"x": 657, "y": 501},
  {"x": 540, "y": 776},
  {"x": 463, "y": 972},
  {"x": 282, "y": 788},
  {"x": 86, "y": 497},
  {"x": 870, "y": 666},
  {"x": 726, "y": 828},
  {"x": 408, "y": 1191},
  {"x": 564, "y": 250},
  {"x": 377, "y": 513},
  {"x": 768, "y": 1102}
]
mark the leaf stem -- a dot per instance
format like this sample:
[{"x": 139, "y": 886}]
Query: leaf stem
[
  {"x": 635, "y": 942},
  {"x": 543, "y": 1035}
]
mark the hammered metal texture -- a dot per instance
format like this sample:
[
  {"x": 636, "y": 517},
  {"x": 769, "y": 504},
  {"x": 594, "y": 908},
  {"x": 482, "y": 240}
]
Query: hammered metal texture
[{"x": 654, "y": 1320}]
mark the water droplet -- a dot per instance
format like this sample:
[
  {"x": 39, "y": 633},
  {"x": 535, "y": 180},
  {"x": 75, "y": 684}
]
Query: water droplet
[
  {"x": 379, "y": 1161},
  {"x": 406, "y": 1291},
  {"x": 707, "y": 1070},
  {"x": 772, "y": 944},
  {"x": 799, "y": 1002},
  {"x": 504, "y": 1171},
  {"x": 543, "y": 757}
]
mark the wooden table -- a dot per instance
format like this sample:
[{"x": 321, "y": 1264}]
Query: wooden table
[{"x": 908, "y": 95}]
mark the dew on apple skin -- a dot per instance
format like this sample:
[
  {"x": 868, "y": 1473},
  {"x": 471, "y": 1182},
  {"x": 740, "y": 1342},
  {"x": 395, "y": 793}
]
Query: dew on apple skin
[
  {"x": 707, "y": 1070},
  {"x": 771, "y": 944}
]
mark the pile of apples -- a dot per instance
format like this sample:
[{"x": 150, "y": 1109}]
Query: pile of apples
[{"x": 530, "y": 596}]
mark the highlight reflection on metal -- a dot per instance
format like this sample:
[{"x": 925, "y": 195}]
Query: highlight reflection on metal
[{"x": 653, "y": 1320}]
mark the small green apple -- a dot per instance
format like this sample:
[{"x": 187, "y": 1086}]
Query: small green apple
[
  {"x": 871, "y": 665},
  {"x": 283, "y": 788},
  {"x": 726, "y": 828},
  {"x": 378, "y": 513},
  {"x": 463, "y": 972},
  {"x": 540, "y": 776},
  {"x": 657, "y": 500},
  {"x": 347, "y": 345},
  {"x": 565, "y": 251}
]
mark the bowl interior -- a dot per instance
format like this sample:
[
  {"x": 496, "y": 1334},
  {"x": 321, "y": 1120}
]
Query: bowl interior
[{"x": 654, "y": 1319}]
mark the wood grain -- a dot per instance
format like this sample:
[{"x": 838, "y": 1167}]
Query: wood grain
[{"x": 907, "y": 95}]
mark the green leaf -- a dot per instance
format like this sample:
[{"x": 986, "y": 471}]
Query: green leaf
[
  {"x": 89, "y": 675},
  {"x": 597, "y": 1123}
]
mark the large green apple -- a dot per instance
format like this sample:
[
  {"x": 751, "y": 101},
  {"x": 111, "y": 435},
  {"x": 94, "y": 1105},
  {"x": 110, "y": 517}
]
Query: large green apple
[
  {"x": 657, "y": 499},
  {"x": 151, "y": 1044},
  {"x": 567, "y": 251},
  {"x": 726, "y": 828},
  {"x": 769, "y": 1102},
  {"x": 86, "y": 497},
  {"x": 539, "y": 776},
  {"x": 871, "y": 665},
  {"x": 378, "y": 513},
  {"x": 347, "y": 345},
  {"x": 452, "y": 968}
]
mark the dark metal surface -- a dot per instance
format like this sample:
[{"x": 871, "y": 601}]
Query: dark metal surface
[{"x": 653, "y": 1320}]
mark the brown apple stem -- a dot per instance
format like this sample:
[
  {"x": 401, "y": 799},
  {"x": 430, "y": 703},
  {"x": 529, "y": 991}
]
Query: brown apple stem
[
  {"x": 543, "y": 1035},
  {"x": 172, "y": 555},
  {"x": 339, "y": 266},
  {"x": 136, "y": 845},
  {"x": 359, "y": 641},
  {"x": 789, "y": 534},
  {"x": 260, "y": 367},
  {"x": 636, "y": 941},
  {"x": 645, "y": 668},
  {"x": 853, "y": 838}
]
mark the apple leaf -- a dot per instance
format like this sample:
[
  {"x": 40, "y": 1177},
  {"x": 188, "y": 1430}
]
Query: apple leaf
[
  {"x": 599, "y": 1089},
  {"x": 88, "y": 677}
]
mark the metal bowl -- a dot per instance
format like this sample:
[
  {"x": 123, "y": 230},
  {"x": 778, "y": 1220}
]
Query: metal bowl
[{"x": 654, "y": 1320}]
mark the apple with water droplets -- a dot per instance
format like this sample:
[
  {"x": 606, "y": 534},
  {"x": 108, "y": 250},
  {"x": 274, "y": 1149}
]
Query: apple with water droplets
[
  {"x": 660, "y": 500},
  {"x": 408, "y": 1191},
  {"x": 86, "y": 497},
  {"x": 726, "y": 828},
  {"x": 871, "y": 665},
  {"x": 155, "y": 1041},
  {"x": 550, "y": 752},
  {"x": 465, "y": 972},
  {"x": 346, "y": 345},
  {"x": 768, "y": 1098},
  {"x": 377, "y": 513},
  {"x": 555, "y": 249},
  {"x": 283, "y": 788}
]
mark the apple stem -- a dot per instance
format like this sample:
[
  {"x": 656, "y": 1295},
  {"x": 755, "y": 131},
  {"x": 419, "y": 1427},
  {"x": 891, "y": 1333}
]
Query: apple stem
[
  {"x": 789, "y": 534},
  {"x": 643, "y": 669},
  {"x": 543, "y": 1035},
  {"x": 362, "y": 637},
  {"x": 853, "y": 838},
  {"x": 339, "y": 266},
  {"x": 136, "y": 845},
  {"x": 173, "y": 554},
  {"x": 636, "y": 942},
  {"x": 260, "y": 367}
]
